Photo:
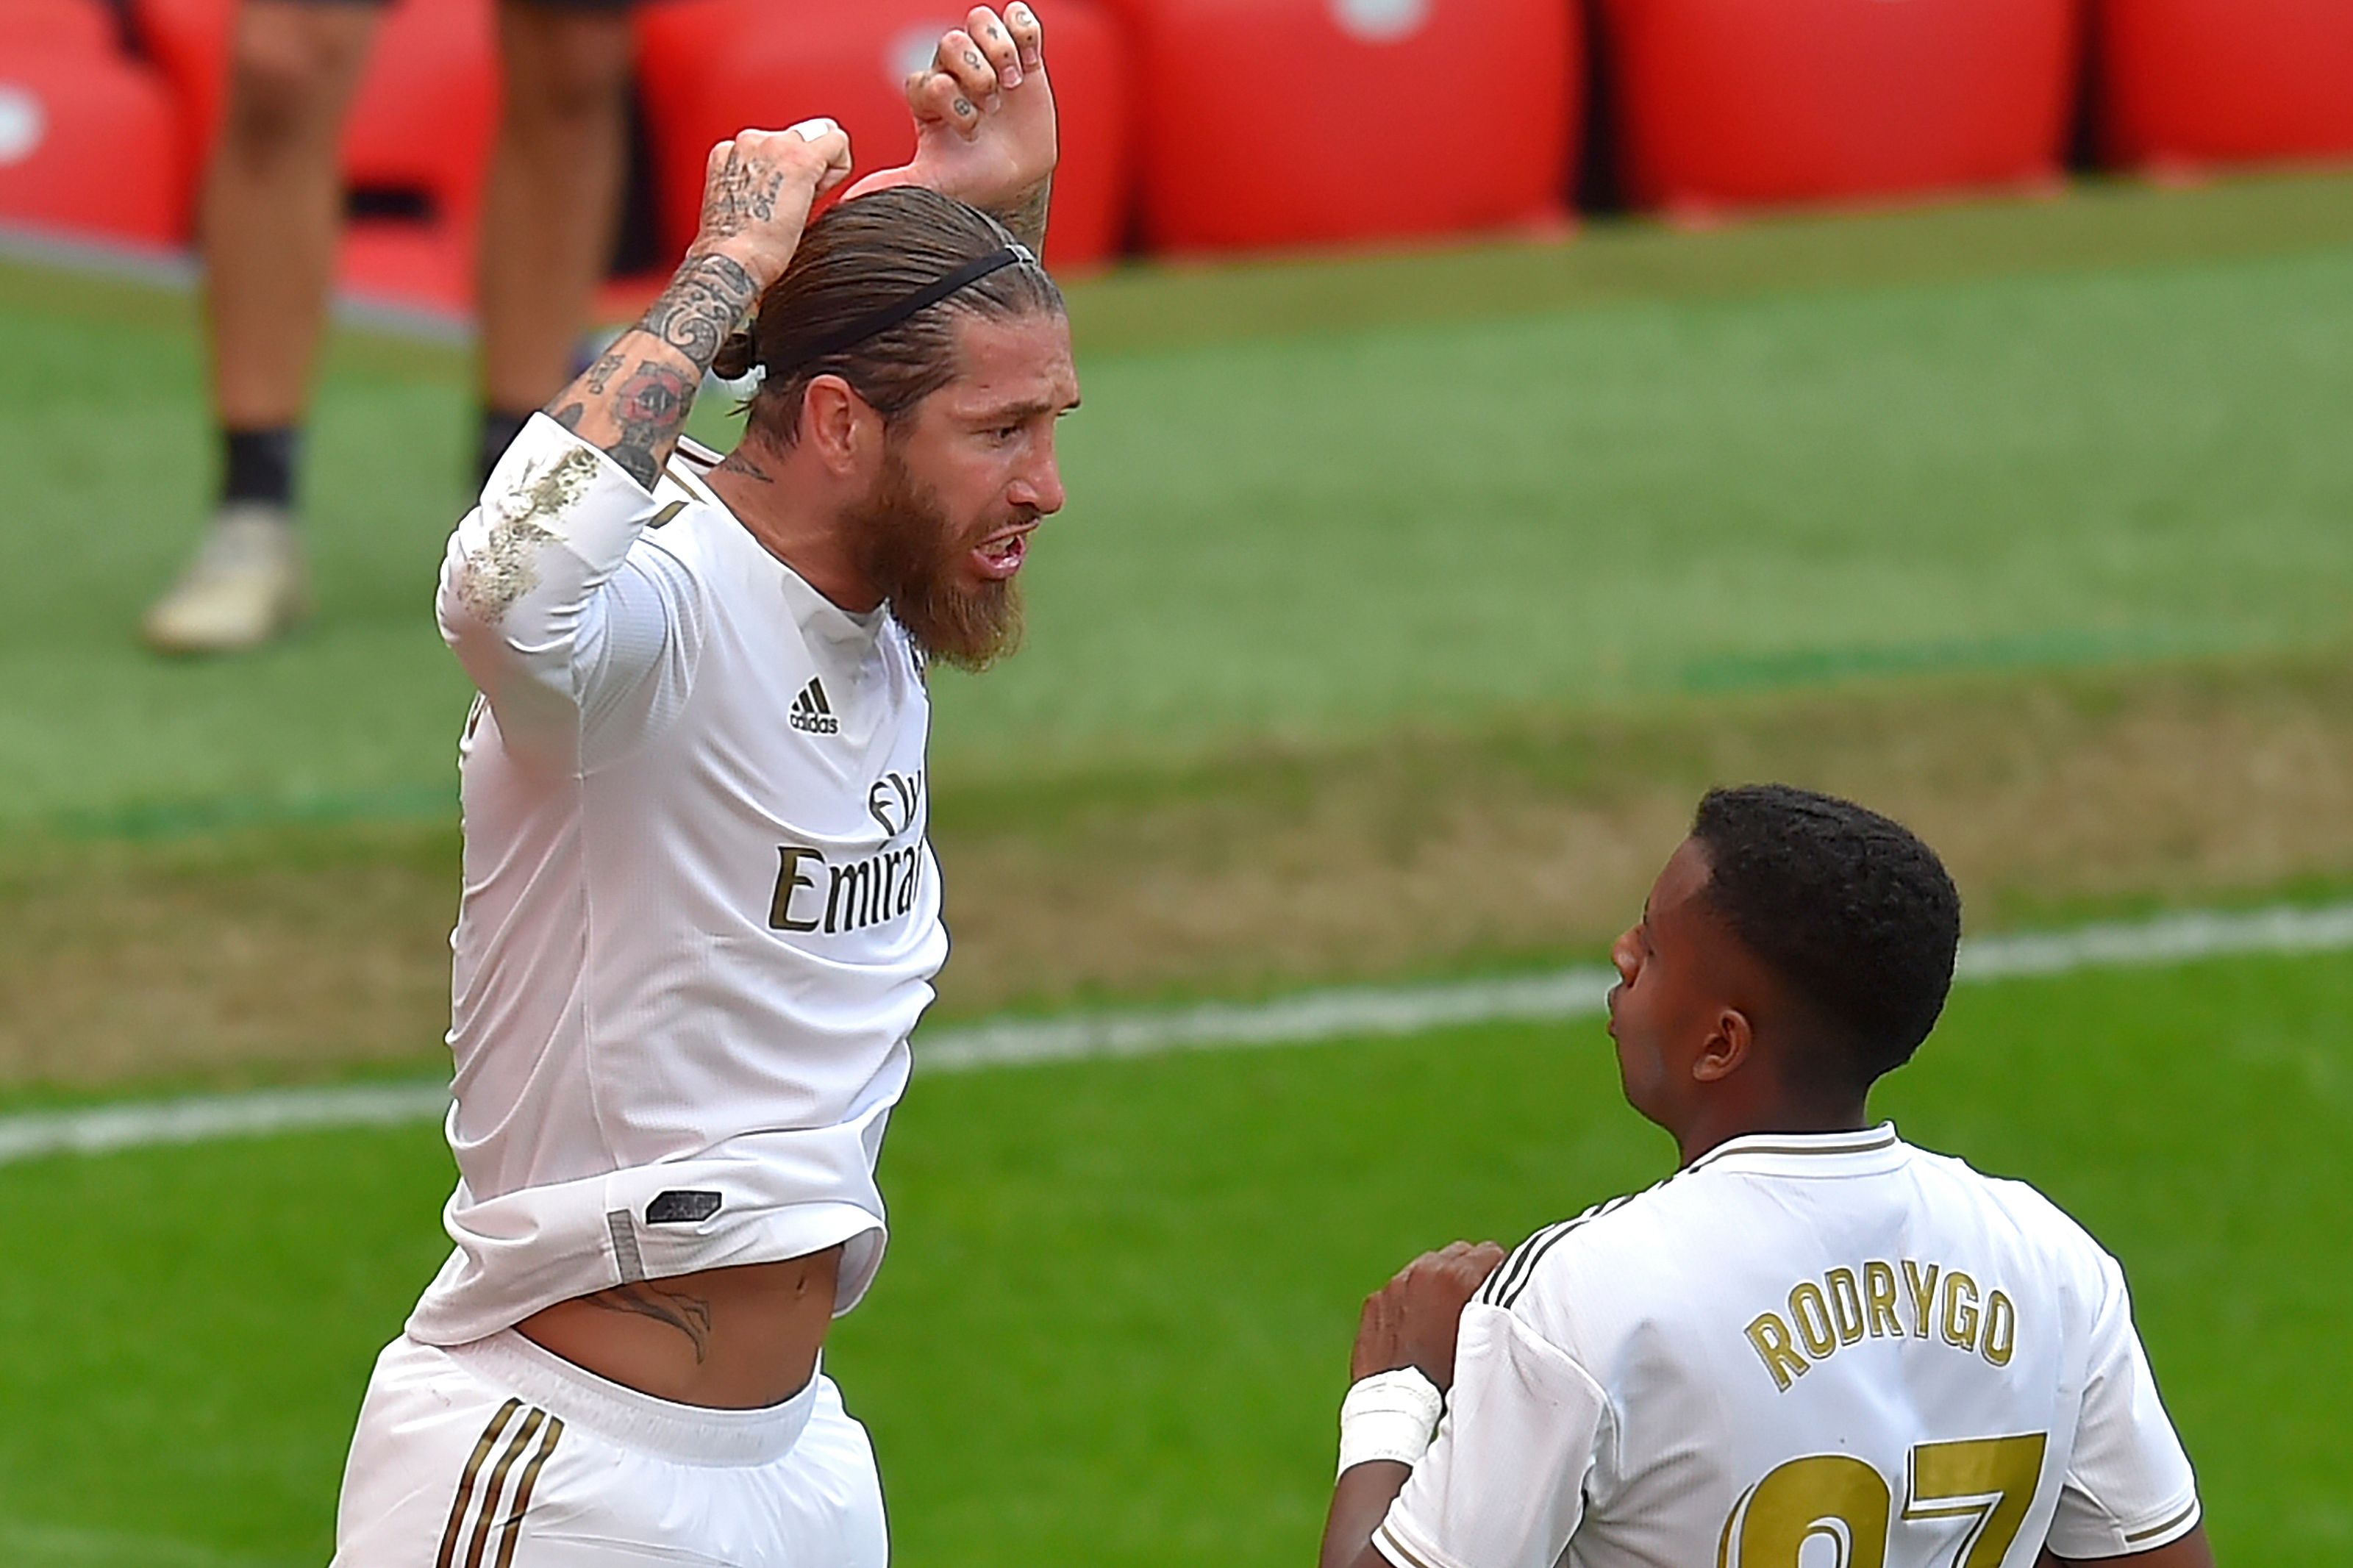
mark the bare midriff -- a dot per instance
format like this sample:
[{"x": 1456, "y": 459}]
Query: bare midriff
[{"x": 725, "y": 1338}]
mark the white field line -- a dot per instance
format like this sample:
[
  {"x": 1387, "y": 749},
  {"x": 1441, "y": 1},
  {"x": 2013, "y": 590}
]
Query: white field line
[{"x": 1353, "y": 1012}]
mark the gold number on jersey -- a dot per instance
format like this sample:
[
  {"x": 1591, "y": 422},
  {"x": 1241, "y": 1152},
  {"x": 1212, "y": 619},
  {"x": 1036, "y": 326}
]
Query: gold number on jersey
[
  {"x": 1989, "y": 1481},
  {"x": 1845, "y": 1503},
  {"x": 1833, "y": 1496}
]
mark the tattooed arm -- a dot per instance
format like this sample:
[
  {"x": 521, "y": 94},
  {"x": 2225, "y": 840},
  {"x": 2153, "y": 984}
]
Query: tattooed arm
[
  {"x": 985, "y": 127},
  {"x": 1025, "y": 215},
  {"x": 634, "y": 401},
  {"x": 577, "y": 646}
]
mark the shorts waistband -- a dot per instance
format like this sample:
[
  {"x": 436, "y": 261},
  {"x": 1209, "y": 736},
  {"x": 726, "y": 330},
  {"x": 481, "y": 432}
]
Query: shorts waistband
[{"x": 689, "y": 1434}]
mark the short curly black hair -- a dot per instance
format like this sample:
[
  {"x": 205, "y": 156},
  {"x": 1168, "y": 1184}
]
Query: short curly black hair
[{"x": 1855, "y": 913}]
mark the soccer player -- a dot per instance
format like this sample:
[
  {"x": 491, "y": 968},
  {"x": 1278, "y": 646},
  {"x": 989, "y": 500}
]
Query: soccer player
[
  {"x": 701, "y": 912},
  {"x": 271, "y": 209},
  {"x": 1814, "y": 1344}
]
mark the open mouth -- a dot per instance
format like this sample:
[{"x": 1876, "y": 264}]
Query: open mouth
[{"x": 1000, "y": 555}]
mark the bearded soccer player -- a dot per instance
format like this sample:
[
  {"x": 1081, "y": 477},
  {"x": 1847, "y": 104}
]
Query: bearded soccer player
[
  {"x": 1813, "y": 1344},
  {"x": 700, "y": 913}
]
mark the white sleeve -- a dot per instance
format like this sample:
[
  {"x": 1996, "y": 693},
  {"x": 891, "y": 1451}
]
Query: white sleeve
[
  {"x": 2129, "y": 1487},
  {"x": 540, "y": 601},
  {"x": 1503, "y": 1486}
]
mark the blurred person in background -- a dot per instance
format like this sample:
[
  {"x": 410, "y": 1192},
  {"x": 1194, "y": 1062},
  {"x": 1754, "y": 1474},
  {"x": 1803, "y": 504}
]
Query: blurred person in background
[
  {"x": 1813, "y": 1341},
  {"x": 700, "y": 913},
  {"x": 271, "y": 212}
]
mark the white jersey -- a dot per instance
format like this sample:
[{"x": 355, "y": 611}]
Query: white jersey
[
  {"x": 701, "y": 911},
  {"x": 1835, "y": 1339}
]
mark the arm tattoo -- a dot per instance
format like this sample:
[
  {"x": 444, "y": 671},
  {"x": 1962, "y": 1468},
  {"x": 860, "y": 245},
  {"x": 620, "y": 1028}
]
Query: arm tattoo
[
  {"x": 1025, "y": 213},
  {"x": 599, "y": 374},
  {"x": 689, "y": 1315},
  {"x": 635, "y": 399},
  {"x": 700, "y": 307},
  {"x": 650, "y": 408}
]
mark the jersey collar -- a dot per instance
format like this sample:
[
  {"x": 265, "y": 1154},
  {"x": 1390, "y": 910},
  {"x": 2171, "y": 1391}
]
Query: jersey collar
[
  {"x": 1864, "y": 1153},
  {"x": 851, "y": 632}
]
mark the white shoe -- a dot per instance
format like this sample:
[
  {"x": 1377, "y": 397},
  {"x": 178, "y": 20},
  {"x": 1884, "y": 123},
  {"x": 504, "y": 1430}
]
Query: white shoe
[{"x": 246, "y": 585}]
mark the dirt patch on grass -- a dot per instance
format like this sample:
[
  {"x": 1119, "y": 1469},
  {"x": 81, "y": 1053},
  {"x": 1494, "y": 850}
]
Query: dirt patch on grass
[
  {"x": 315, "y": 947},
  {"x": 2048, "y": 799}
]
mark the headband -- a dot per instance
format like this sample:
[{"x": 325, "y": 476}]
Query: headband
[{"x": 922, "y": 299}]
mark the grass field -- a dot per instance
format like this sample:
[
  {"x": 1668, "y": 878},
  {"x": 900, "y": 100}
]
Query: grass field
[
  {"x": 1553, "y": 506},
  {"x": 1113, "y": 1322},
  {"x": 1403, "y": 604},
  {"x": 1403, "y": 607}
]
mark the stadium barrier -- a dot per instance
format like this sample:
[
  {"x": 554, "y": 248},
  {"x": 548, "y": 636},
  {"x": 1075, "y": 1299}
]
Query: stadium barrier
[
  {"x": 80, "y": 26},
  {"x": 1741, "y": 103},
  {"x": 2193, "y": 82},
  {"x": 90, "y": 142},
  {"x": 1296, "y": 123},
  {"x": 1208, "y": 125},
  {"x": 786, "y": 60}
]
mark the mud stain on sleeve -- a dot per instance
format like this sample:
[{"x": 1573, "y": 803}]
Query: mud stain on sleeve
[{"x": 504, "y": 567}]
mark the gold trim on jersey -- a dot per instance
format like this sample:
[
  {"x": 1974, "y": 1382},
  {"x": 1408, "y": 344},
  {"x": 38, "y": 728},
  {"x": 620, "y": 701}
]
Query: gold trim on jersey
[
  {"x": 2136, "y": 1537},
  {"x": 1388, "y": 1537},
  {"x": 1886, "y": 1139}
]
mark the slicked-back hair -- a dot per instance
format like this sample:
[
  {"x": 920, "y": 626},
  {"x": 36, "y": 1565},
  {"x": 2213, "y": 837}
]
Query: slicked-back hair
[
  {"x": 863, "y": 256},
  {"x": 1855, "y": 914}
]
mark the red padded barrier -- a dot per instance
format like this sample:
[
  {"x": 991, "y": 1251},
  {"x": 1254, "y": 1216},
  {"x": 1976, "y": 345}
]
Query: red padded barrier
[
  {"x": 1730, "y": 103},
  {"x": 89, "y": 143},
  {"x": 2214, "y": 82},
  {"x": 1288, "y": 123},
  {"x": 82, "y": 26},
  {"x": 427, "y": 106},
  {"x": 710, "y": 68}
]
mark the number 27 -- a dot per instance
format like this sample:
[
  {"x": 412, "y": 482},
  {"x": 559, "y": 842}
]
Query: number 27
[{"x": 1989, "y": 1481}]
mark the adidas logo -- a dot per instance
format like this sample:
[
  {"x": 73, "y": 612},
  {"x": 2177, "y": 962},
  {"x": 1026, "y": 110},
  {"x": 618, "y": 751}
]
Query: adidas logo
[{"x": 812, "y": 712}]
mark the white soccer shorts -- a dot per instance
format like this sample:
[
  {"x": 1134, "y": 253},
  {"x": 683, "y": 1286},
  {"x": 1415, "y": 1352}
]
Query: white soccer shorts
[{"x": 499, "y": 1454}]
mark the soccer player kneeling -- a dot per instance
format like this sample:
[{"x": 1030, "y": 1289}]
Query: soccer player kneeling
[{"x": 1813, "y": 1344}]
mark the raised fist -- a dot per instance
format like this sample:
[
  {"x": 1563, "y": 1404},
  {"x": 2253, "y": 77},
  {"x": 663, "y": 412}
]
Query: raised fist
[
  {"x": 758, "y": 190},
  {"x": 983, "y": 111}
]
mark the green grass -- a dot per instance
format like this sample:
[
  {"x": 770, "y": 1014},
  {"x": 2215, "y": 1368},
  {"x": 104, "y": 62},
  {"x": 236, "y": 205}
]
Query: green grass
[
  {"x": 1486, "y": 482},
  {"x": 1113, "y": 1326}
]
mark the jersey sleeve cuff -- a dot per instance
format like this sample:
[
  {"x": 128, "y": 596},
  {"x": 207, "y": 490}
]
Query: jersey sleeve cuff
[
  {"x": 1397, "y": 1543},
  {"x": 2161, "y": 1528}
]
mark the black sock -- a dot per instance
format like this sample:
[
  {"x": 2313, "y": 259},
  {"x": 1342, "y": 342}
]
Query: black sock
[
  {"x": 500, "y": 428},
  {"x": 257, "y": 466}
]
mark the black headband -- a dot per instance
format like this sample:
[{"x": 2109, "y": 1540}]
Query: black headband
[{"x": 922, "y": 299}]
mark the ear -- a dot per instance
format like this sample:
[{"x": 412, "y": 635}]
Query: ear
[
  {"x": 837, "y": 425},
  {"x": 1726, "y": 1048}
]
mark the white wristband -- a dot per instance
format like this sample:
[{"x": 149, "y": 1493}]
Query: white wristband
[{"x": 1389, "y": 1415}]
